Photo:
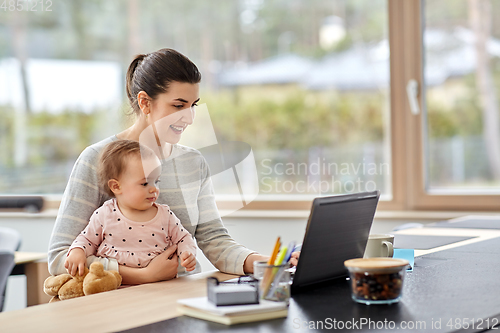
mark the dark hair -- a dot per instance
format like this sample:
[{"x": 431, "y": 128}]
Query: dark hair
[
  {"x": 113, "y": 157},
  {"x": 154, "y": 72}
]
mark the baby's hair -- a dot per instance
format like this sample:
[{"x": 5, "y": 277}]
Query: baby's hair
[{"x": 113, "y": 159}]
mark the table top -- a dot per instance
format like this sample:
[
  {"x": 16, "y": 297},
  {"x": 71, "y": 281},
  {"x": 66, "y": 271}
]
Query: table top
[
  {"x": 110, "y": 311},
  {"x": 478, "y": 235},
  {"x": 27, "y": 257},
  {"x": 448, "y": 291}
]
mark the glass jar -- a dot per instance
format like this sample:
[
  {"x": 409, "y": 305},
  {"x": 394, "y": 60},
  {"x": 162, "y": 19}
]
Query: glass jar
[{"x": 376, "y": 280}]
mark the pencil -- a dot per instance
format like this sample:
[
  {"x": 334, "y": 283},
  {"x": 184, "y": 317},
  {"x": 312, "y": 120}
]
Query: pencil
[
  {"x": 267, "y": 279},
  {"x": 276, "y": 249}
]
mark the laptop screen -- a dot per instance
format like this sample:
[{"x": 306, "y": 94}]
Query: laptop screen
[{"x": 337, "y": 230}]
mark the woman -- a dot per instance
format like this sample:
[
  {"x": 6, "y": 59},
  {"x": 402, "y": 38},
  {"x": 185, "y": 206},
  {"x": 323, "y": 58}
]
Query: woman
[{"x": 163, "y": 89}]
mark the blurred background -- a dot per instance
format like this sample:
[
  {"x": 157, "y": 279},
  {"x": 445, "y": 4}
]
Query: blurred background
[{"x": 304, "y": 82}]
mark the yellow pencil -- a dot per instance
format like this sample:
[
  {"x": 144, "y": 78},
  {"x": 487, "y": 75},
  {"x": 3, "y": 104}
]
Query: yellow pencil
[
  {"x": 267, "y": 279},
  {"x": 276, "y": 249}
]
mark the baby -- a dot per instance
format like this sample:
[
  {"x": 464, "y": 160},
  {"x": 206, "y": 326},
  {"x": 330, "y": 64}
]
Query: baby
[{"x": 130, "y": 227}]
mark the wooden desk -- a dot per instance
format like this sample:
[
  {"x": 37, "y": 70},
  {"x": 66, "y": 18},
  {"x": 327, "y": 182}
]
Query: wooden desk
[
  {"x": 29, "y": 257},
  {"x": 110, "y": 311},
  {"x": 34, "y": 266}
]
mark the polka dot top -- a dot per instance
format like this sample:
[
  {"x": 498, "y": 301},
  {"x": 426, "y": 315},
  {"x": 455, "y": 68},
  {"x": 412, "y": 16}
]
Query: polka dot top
[{"x": 134, "y": 244}]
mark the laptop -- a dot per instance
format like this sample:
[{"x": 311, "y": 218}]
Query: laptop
[{"x": 337, "y": 230}]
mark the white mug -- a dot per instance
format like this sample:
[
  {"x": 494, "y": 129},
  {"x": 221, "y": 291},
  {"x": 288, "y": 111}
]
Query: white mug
[{"x": 379, "y": 245}]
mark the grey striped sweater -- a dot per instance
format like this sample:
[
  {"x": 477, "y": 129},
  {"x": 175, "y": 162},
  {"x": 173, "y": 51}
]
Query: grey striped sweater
[{"x": 185, "y": 186}]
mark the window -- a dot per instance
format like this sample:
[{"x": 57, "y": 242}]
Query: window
[
  {"x": 451, "y": 142},
  {"x": 317, "y": 89},
  {"x": 461, "y": 67},
  {"x": 309, "y": 92},
  {"x": 304, "y": 83}
]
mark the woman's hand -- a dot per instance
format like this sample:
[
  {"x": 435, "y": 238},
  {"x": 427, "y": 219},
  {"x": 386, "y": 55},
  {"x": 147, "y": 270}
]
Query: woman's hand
[
  {"x": 163, "y": 267},
  {"x": 76, "y": 262},
  {"x": 248, "y": 264},
  {"x": 294, "y": 259}
]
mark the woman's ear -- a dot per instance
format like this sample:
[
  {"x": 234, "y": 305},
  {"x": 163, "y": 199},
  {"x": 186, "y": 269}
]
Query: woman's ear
[
  {"x": 114, "y": 186},
  {"x": 144, "y": 102}
]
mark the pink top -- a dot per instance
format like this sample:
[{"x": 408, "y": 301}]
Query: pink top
[{"x": 133, "y": 244}]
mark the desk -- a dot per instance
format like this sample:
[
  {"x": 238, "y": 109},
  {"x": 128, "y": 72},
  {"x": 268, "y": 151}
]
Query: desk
[
  {"x": 110, "y": 311},
  {"x": 36, "y": 271},
  {"x": 448, "y": 289},
  {"x": 451, "y": 284}
]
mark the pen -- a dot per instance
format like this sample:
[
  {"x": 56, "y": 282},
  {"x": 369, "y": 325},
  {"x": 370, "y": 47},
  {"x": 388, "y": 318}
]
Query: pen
[{"x": 291, "y": 247}]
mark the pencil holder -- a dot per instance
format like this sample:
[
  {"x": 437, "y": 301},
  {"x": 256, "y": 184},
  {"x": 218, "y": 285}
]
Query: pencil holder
[{"x": 274, "y": 281}]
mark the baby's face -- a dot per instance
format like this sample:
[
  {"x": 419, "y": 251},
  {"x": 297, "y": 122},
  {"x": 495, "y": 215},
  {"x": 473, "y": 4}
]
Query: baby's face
[{"x": 139, "y": 182}]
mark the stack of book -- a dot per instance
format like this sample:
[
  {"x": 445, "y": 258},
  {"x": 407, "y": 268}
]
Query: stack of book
[{"x": 201, "y": 307}]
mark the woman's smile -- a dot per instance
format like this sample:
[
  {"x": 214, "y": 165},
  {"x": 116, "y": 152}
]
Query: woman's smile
[{"x": 177, "y": 129}]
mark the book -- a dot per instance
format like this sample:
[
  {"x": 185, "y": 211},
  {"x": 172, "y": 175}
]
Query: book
[{"x": 202, "y": 308}]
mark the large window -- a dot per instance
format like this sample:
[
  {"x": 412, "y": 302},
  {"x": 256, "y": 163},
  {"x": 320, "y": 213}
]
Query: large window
[
  {"x": 316, "y": 88},
  {"x": 304, "y": 83}
]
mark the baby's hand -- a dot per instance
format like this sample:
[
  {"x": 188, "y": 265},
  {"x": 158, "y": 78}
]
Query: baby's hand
[
  {"x": 188, "y": 260},
  {"x": 76, "y": 261}
]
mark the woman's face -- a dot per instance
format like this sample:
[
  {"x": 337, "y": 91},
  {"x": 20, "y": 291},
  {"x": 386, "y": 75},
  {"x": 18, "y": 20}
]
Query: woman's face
[{"x": 172, "y": 111}]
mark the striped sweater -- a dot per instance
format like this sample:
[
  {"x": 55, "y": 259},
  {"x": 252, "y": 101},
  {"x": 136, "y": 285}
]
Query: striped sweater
[{"x": 185, "y": 186}]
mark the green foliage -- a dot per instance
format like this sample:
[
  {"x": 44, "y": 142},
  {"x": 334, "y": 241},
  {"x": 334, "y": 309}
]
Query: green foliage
[
  {"x": 6, "y": 141},
  {"x": 203, "y": 30},
  {"x": 462, "y": 115},
  {"x": 284, "y": 117},
  {"x": 67, "y": 134},
  {"x": 51, "y": 138},
  {"x": 441, "y": 122}
]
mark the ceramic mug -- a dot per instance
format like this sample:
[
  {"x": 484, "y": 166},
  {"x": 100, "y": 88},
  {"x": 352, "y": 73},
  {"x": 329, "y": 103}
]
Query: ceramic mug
[{"x": 379, "y": 245}]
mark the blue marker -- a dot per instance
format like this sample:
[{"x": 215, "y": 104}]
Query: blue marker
[{"x": 288, "y": 254}]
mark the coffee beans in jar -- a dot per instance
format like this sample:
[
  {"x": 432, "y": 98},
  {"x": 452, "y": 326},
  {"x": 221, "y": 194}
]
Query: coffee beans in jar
[{"x": 376, "y": 280}]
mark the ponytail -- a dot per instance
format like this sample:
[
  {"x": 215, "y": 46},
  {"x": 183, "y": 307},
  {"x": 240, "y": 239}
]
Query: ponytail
[{"x": 130, "y": 81}]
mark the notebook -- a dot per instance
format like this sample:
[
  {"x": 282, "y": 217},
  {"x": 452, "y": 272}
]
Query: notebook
[
  {"x": 337, "y": 230},
  {"x": 201, "y": 307}
]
